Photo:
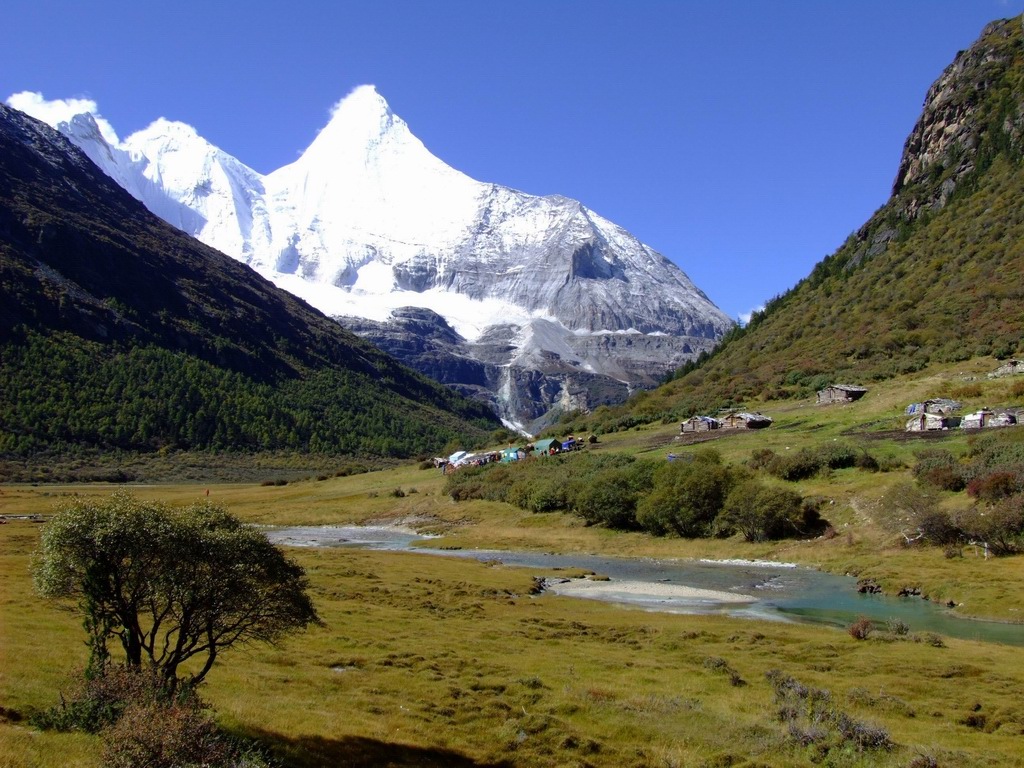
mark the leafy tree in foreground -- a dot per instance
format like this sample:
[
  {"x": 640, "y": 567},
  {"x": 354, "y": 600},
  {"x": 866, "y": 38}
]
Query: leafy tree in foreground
[{"x": 171, "y": 584}]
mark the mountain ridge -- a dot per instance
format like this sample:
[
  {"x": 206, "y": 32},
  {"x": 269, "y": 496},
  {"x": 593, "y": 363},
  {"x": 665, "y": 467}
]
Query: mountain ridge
[{"x": 367, "y": 220}]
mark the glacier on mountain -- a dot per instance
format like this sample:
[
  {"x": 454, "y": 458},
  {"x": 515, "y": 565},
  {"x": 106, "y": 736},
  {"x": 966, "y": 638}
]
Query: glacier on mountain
[{"x": 561, "y": 307}]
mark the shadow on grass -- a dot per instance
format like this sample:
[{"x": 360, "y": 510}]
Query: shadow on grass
[{"x": 360, "y": 752}]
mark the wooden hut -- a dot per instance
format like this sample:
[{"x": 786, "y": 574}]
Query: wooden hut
[
  {"x": 743, "y": 420},
  {"x": 840, "y": 393},
  {"x": 699, "y": 424}
]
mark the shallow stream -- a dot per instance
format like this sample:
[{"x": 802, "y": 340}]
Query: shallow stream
[{"x": 768, "y": 591}]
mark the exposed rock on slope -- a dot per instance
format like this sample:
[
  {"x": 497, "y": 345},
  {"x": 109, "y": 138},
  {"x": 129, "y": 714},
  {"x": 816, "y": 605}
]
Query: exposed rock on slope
[{"x": 971, "y": 112}]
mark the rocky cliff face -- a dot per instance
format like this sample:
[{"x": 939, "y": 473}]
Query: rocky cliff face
[
  {"x": 974, "y": 110},
  {"x": 554, "y": 306},
  {"x": 930, "y": 278},
  {"x": 532, "y": 388}
]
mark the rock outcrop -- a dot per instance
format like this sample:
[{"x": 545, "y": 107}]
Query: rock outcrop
[{"x": 971, "y": 112}]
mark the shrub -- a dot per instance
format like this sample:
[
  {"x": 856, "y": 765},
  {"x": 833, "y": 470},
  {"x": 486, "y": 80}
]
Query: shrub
[
  {"x": 761, "y": 512},
  {"x": 938, "y": 468},
  {"x": 897, "y": 627},
  {"x": 839, "y": 455},
  {"x": 610, "y": 497},
  {"x": 1000, "y": 526},
  {"x": 796, "y": 466},
  {"x": 761, "y": 458},
  {"x": 97, "y": 700},
  {"x": 867, "y": 462},
  {"x": 812, "y": 718},
  {"x": 944, "y": 478},
  {"x": 994, "y": 486},
  {"x": 141, "y": 724},
  {"x": 914, "y": 513},
  {"x": 546, "y": 496},
  {"x": 720, "y": 665},
  {"x": 862, "y": 735},
  {"x": 809, "y": 461},
  {"x": 686, "y": 497},
  {"x": 165, "y": 736},
  {"x": 861, "y": 628}
]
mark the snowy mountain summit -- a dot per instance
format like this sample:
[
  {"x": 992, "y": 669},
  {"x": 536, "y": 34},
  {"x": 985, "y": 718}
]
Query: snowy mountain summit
[{"x": 542, "y": 304}]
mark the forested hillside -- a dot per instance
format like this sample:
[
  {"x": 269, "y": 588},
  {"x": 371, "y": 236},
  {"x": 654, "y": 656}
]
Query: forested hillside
[
  {"x": 933, "y": 276},
  {"x": 118, "y": 331}
]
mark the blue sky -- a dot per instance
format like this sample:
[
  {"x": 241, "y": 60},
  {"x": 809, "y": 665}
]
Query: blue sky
[{"x": 744, "y": 140}]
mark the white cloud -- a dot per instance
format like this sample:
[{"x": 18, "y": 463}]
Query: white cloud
[
  {"x": 744, "y": 317},
  {"x": 60, "y": 110}
]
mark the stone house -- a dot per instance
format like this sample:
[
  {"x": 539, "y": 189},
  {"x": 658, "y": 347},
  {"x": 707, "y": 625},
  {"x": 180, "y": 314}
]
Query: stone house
[
  {"x": 988, "y": 418},
  {"x": 930, "y": 422},
  {"x": 939, "y": 406},
  {"x": 840, "y": 393}
]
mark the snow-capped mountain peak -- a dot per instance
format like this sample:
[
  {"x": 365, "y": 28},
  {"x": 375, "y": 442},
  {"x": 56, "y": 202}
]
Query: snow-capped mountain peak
[
  {"x": 367, "y": 220},
  {"x": 361, "y": 119}
]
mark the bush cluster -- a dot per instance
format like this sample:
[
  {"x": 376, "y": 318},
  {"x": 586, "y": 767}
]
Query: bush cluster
[
  {"x": 814, "y": 720},
  {"x": 914, "y": 512},
  {"x": 142, "y": 724},
  {"x": 808, "y": 462},
  {"x": 992, "y": 472},
  {"x": 693, "y": 496}
]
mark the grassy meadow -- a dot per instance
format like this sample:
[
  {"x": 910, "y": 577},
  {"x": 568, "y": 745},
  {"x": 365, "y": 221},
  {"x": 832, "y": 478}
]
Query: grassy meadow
[{"x": 452, "y": 662}]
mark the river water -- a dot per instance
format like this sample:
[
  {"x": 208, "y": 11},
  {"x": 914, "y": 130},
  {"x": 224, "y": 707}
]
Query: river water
[{"x": 767, "y": 591}]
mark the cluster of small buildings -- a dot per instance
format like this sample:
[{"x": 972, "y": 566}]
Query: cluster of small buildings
[
  {"x": 925, "y": 416},
  {"x": 465, "y": 459},
  {"x": 938, "y": 414},
  {"x": 734, "y": 420},
  {"x": 546, "y": 447},
  {"x": 836, "y": 393},
  {"x": 929, "y": 422},
  {"x": 931, "y": 415}
]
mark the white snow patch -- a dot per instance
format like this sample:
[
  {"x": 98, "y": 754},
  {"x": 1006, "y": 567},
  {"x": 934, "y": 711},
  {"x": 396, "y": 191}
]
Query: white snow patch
[
  {"x": 53, "y": 112},
  {"x": 374, "y": 278},
  {"x": 469, "y": 317}
]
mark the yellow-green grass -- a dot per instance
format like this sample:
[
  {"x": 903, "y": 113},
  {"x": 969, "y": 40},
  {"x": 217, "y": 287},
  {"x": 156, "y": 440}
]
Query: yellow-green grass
[{"x": 444, "y": 661}]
